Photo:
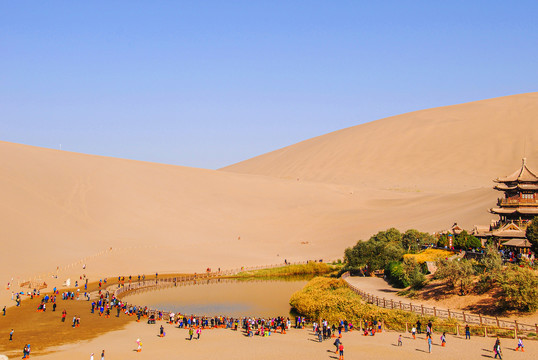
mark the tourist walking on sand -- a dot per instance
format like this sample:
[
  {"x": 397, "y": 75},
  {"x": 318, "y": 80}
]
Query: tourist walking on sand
[
  {"x": 337, "y": 344},
  {"x": 467, "y": 332},
  {"x": 191, "y": 333},
  {"x": 497, "y": 349},
  {"x": 418, "y": 327},
  {"x": 414, "y": 332},
  {"x": 11, "y": 335},
  {"x": 520, "y": 344},
  {"x": 198, "y": 332},
  {"x": 341, "y": 349},
  {"x": 429, "y": 343},
  {"x": 443, "y": 339},
  {"x": 26, "y": 351},
  {"x": 161, "y": 331},
  {"x": 4, "y": 311},
  {"x": 103, "y": 355},
  {"x": 400, "y": 340}
]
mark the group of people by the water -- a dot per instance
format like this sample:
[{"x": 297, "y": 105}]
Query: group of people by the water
[{"x": 105, "y": 301}]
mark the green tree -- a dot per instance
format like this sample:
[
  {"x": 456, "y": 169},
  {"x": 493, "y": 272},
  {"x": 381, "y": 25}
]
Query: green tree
[
  {"x": 443, "y": 240},
  {"x": 519, "y": 289},
  {"x": 456, "y": 273},
  {"x": 532, "y": 234},
  {"x": 377, "y": 252},
  {"x": 413, "y": 273},
  {"x": 395, "y": 274},
  {"x": 413, "y": 240},
  {"x": 492, "y": 259},
  {"x": 466, "y": 241},
  {"x": 406, "y": 273},
  {"x": 390, "y": 235}
]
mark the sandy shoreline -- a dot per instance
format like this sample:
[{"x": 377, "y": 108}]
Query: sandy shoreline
[{"x": 299, "y": 344}]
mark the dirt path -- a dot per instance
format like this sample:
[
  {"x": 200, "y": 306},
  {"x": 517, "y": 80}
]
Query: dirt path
[
  {"x": 469, "y": 303},
  {"x": 378, "y": 287}
]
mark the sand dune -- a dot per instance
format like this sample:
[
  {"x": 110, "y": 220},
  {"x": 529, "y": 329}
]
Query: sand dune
[
  {"x": 420, "y": 170},
  {"x": 448, "y": 148}
]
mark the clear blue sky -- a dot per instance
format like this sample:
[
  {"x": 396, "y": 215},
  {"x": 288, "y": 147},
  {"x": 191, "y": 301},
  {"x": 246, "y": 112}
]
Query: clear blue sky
[{"x": 211, "y": 83}]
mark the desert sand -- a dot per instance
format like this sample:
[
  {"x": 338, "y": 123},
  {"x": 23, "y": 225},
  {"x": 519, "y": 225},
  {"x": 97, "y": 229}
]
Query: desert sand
[
  {"x": 296, "y": 344},
  {"x": 447, "y": 149},
  {"x": 424, "y": 170}
]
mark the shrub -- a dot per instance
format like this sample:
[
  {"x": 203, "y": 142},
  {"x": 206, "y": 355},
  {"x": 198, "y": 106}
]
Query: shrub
[
  {"x": 492, "y": 259},
  {"x": 532, "y": 234},
  {"x": 485, "y": 283},
  {"x": 519, "y": 289},
  {"x": 457, "y": 272},
  {"x": 310, "y": 268},
  {"x": 395, "y": 274},
  {"x": 330, "y": 299},
  {"x": 333, "y": 300},
  {"x": 429, "y": 255}
]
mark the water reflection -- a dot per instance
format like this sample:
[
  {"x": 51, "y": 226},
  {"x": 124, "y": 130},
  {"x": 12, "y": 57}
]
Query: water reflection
[{"x": 229, "y": 297}]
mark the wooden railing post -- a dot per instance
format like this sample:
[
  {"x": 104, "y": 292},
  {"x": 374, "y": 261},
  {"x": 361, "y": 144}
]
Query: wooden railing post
[{"x": 515, "y": 329}]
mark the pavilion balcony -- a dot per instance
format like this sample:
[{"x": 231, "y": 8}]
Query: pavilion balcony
[{"x": 517, "y": 202}]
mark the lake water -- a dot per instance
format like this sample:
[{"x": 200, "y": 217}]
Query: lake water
[{"x": 237, "y": 298}]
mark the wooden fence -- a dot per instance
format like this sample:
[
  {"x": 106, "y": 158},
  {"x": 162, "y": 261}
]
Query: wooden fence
[
  {"x": 462, "y": 316},
  {"x": 167, "y": 281}
]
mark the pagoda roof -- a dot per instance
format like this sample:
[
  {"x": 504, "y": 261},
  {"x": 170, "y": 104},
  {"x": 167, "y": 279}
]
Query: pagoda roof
[
  {"x": 523, "y": 174},
  {"x": 455, "y": 229},
  {"x": 520, "y": 210},
  {"x": 509, "y": 230},
  {"x": 523, "y": 243},
  {"x": 505, "y": 187}
]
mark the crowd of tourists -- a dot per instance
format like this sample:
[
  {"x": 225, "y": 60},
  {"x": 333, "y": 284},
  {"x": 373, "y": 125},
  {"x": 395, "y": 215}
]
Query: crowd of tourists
[{"x": 106, "y": 302}]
